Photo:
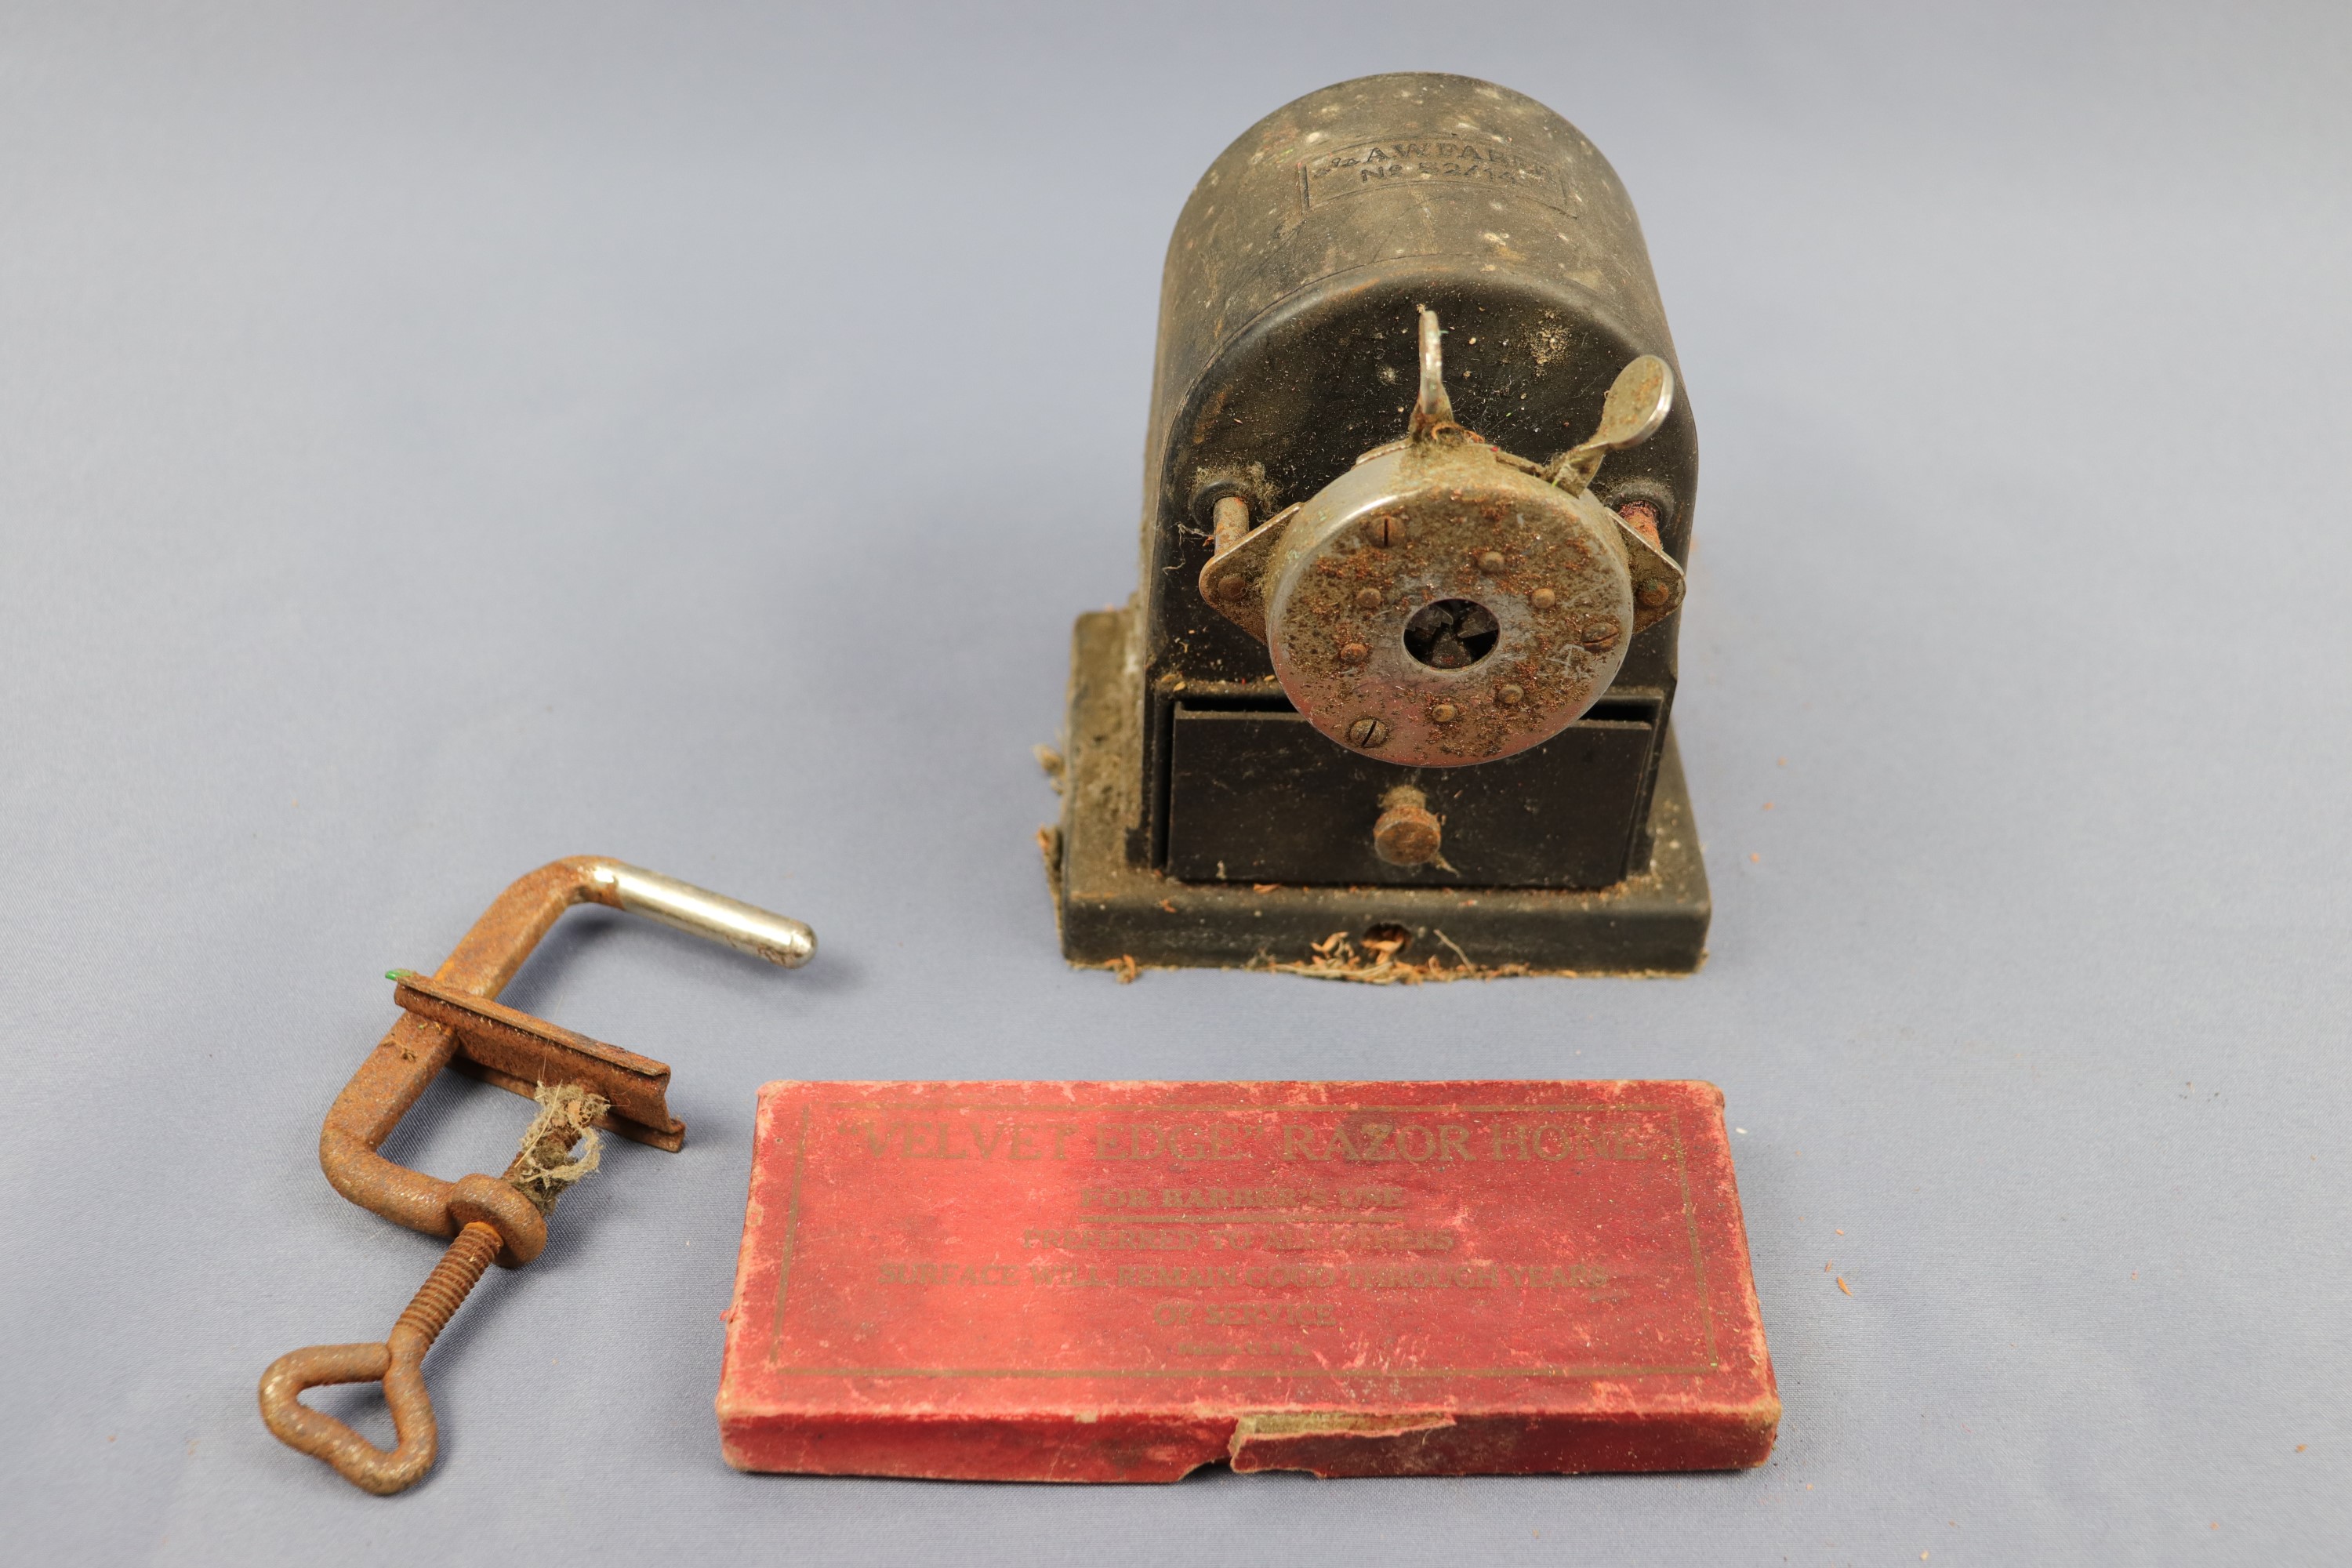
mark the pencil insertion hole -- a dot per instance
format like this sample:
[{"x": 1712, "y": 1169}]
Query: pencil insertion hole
[{"x": 1451, "y": 634}]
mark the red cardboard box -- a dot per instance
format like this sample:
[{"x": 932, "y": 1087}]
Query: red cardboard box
[{"x": 1124, "y": 1281}]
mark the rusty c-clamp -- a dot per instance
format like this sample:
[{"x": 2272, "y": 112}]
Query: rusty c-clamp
[{"x": 452, "y": 1017}]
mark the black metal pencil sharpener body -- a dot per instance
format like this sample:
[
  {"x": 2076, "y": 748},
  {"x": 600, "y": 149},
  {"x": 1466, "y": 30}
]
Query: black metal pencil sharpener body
[{"x": 1392, "y": 700}]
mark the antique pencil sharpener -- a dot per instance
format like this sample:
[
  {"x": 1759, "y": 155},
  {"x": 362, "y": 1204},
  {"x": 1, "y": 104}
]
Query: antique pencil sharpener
[{"x": 1395, "y": 693}]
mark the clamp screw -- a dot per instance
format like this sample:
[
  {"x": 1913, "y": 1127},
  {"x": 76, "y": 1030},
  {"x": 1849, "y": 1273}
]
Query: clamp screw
[
  {"x": 1510, "y": 697},
  {"x": 1368, "y": 733},
  {"x": 1369, "y": 598},
  {"x": 1491, "y": 562},
  {"x": 1543, "y": 598},
  {"x": 1354, "y": 653},
  {"x": 1444, "y": 713}
]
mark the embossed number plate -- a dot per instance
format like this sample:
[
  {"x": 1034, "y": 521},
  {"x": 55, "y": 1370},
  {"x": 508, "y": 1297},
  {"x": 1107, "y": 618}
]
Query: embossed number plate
[{"x": 1123, "y": 1282}]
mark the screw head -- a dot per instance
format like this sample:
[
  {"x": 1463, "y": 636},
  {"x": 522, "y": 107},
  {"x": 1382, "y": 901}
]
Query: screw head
[
  {"x": 1384, "y": 529},
  {"x": 1368, "y": 733},
  {"x": 1543, "y": 598},
  {"x": 1444, "y": 713},
  {"x": 1510, "y": 697},
  {"x": 1491, "y": 562},
  {"x": 1354, "y": 653},
  {"x": 1369, "y": 598},
  {"x": 1233, "y": 585},
  {"x": 1603, "y": 636},
  {"x": 1653, "y": 593}
]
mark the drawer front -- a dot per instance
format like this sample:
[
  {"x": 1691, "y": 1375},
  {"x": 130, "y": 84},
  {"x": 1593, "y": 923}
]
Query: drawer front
[{"x": 1257, "y": 795}]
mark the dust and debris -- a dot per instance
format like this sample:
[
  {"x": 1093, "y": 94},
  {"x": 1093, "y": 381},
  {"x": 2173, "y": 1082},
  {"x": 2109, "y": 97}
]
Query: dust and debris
[
  {"x": 1548, "y": 342},
  {"x": 1374, "y": 961},
  {"x": 1124, "y": 966},
  {"x": 1050, "y": 761}
]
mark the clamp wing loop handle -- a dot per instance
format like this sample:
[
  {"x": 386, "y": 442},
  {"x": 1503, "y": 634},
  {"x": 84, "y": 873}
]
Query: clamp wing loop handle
[
  {"x": 398, "y": 1363},
  {"x": 320, "y": 1435}
]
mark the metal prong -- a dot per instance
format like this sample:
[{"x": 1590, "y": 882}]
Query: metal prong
[
  {"x": 1432, "y": 409},
  {"x": 1638, "y": 403},
  {"x": 740, "y": 926},
  {"x": 1232, "y": 521}
]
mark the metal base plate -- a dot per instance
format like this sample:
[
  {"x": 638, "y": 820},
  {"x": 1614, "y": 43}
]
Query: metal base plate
[{"x": 1114, "y": 914}]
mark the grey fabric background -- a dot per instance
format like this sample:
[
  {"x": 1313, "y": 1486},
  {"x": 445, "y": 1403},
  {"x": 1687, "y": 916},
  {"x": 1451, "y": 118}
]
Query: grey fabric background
[{"x": 435, "y": 439}]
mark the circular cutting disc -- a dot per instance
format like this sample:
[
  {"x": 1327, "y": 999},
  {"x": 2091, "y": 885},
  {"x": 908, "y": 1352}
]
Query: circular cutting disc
[{"x": 1439, "y": 606}]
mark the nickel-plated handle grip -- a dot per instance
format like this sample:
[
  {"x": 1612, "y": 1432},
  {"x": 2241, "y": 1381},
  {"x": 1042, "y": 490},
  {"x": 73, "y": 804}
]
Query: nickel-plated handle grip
[{"x": 743, "y": 927}]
